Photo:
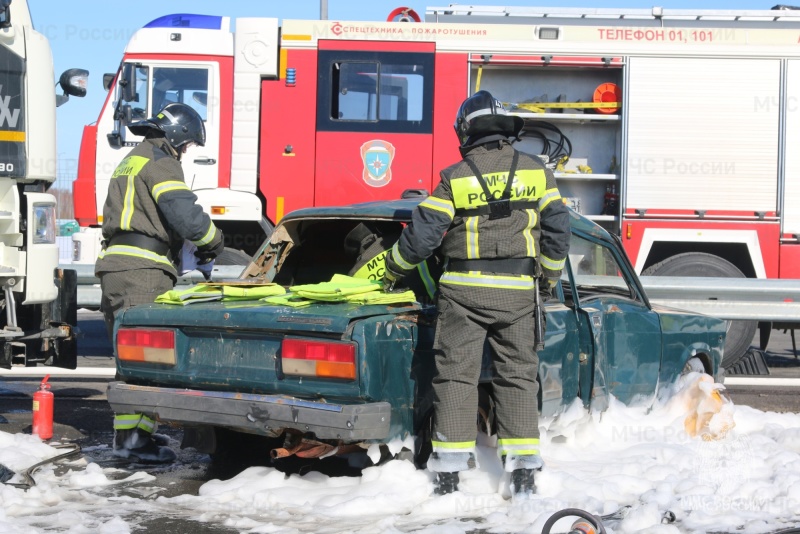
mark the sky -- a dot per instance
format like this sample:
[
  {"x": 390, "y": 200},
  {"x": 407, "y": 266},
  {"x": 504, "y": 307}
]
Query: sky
[
  {"x": 740, "y": 473},
  {"x": 92, "y": 34}
]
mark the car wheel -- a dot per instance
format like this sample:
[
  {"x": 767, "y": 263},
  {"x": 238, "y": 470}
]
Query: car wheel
[
  {"x": 238, "y": 450},
  {"x": 740, "y": 334},
  {"x": 694, "y": 365}
]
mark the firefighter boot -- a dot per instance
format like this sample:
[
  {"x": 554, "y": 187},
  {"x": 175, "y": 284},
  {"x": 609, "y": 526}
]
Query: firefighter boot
[
  {"x": 160, "y": 439},
  {"x": 139, "y": 445},
  {"x": 446, "y": 483},
  {"x": 522, "y": 482}
]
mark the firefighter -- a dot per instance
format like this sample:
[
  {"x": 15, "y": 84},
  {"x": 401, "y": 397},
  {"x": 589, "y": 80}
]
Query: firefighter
[
  {"x": 148, "y": 214},
  {"x": 368, "y": 244},
  {"x": 501, "y": 222}
]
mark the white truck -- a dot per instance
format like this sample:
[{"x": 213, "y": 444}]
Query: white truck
[
  {"x": 671, "y": 128},
  {"x": 38, "y": 300}
]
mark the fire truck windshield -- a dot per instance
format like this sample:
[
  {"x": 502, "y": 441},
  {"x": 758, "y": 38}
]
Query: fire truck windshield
[{"x": 158, "y": 86}]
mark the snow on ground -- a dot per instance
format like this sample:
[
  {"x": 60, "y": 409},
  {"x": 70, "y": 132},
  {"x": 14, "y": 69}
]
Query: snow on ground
[{"x": 715, "y": 466}]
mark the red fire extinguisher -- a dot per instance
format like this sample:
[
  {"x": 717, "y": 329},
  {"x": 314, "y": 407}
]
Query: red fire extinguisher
[{"x": 43, "y": 410}]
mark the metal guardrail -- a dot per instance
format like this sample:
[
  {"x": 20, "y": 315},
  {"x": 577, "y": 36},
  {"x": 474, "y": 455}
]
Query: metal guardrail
[{"x": 726, "y": 298}]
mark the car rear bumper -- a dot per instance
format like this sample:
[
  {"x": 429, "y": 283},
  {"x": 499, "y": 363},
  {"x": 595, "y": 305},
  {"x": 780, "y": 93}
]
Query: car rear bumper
[{"x": 257, "y": 414}]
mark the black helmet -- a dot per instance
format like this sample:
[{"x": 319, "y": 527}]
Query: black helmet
[
  {"x": 481, "y": 115},
  {"x": 180, "y": 123}
]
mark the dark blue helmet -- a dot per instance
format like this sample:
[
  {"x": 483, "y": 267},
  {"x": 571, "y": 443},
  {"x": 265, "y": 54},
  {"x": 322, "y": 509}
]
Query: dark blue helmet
[
  {"x": 180, "y": 123},
  {"x": 481, "y": 115}
]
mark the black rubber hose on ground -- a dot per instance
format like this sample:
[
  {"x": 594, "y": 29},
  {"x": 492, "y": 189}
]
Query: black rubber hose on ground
[
  {"x": 573, "y": 512},
  {"x": 27, "y": 475}
]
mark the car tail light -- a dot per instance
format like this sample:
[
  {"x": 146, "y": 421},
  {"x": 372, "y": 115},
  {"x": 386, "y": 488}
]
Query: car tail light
[
  {"x": 330, "y": 359},
  {"x": 152, "y": 345}
]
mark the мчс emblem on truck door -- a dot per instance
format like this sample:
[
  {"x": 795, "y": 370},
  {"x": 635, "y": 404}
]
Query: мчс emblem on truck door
[{"x": 377, "y": 156}]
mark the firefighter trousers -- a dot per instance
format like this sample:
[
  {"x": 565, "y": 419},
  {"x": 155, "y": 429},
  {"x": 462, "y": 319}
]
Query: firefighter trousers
[
  {"x": 121, "y": 290},
  {"x": 468, "y": 317}
]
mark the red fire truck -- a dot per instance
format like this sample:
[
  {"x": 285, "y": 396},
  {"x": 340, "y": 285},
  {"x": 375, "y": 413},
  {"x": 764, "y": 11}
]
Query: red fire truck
[{"x": 671, "y": 128}]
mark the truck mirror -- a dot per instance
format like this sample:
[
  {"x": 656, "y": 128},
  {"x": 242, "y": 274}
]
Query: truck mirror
[
  {"x": 114, "y": 139},
  {"x": 201, "y": 97},
  {"x": 5, "y": 14},
  {"x": 123, "y": 113},
  {"x": 108, "y": 79},
  {"x": 127, "y": 83},
  {"x": 74, "y": 82}
]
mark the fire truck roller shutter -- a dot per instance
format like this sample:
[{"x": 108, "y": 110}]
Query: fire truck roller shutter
[{"x": 740, "y": 334}]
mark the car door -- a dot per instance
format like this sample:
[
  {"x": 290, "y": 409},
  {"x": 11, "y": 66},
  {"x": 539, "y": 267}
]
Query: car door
[{"x": 626, "y": 338}]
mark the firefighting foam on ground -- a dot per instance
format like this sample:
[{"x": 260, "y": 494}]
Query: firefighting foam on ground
[{"x": 721, "y": 468}]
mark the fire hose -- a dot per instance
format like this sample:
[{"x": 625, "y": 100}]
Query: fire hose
[
  {"x": 587, "y": 524},
  {"x": 27, "y": 475},
  {"x": 592, "y": 524}
]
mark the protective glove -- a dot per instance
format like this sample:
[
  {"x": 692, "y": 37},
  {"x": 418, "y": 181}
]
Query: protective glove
[
  {"x": 208, "y": 252},
  {"x": 392, "y": 273},
  {"x": 547, "y": 287}
]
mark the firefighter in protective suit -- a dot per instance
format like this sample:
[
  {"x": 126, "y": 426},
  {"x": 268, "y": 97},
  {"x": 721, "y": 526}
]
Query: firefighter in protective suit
[
  {"x": 148, "y": 213},
  {"x": 501, "y": 222},
  {"x": 368, "y": 244}
]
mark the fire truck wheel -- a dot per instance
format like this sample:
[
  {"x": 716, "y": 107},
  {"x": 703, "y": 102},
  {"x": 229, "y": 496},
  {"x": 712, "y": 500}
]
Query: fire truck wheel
[
  {"x": 231, "y": 256},
  {"x": 740, "y": 333}
]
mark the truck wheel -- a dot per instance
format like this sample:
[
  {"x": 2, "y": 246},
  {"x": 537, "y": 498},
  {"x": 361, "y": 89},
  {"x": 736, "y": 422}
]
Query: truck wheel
[
  {"x": 740, "y": 334},
  {"x": 232, "y": 256}
]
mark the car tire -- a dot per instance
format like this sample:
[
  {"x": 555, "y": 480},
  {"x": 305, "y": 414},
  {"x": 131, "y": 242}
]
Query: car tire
[
  {"x": 694, "y": 365},
  {"x": 740, "y": 334},
  {"x": 239, "y": 450}
]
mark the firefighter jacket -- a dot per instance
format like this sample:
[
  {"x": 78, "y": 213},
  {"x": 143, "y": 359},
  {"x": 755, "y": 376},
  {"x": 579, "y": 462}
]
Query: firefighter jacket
[
  {"x": 372, "y": 248},
  {"x": 457, "y": 216},
  {"x": 150, "y": 211}
]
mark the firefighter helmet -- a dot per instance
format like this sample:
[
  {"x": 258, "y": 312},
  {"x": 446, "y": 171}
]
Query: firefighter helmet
[
  {"x": 180, "y": 123},
  {"x": 481, "y": 115}
]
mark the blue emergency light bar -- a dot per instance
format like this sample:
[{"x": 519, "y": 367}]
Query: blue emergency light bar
[{"x": 185, "y": 20}]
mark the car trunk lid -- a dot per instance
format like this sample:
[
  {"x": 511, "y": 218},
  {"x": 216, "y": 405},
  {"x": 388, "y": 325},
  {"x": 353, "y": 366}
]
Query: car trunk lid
[{"x": 238, "y": 346}]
